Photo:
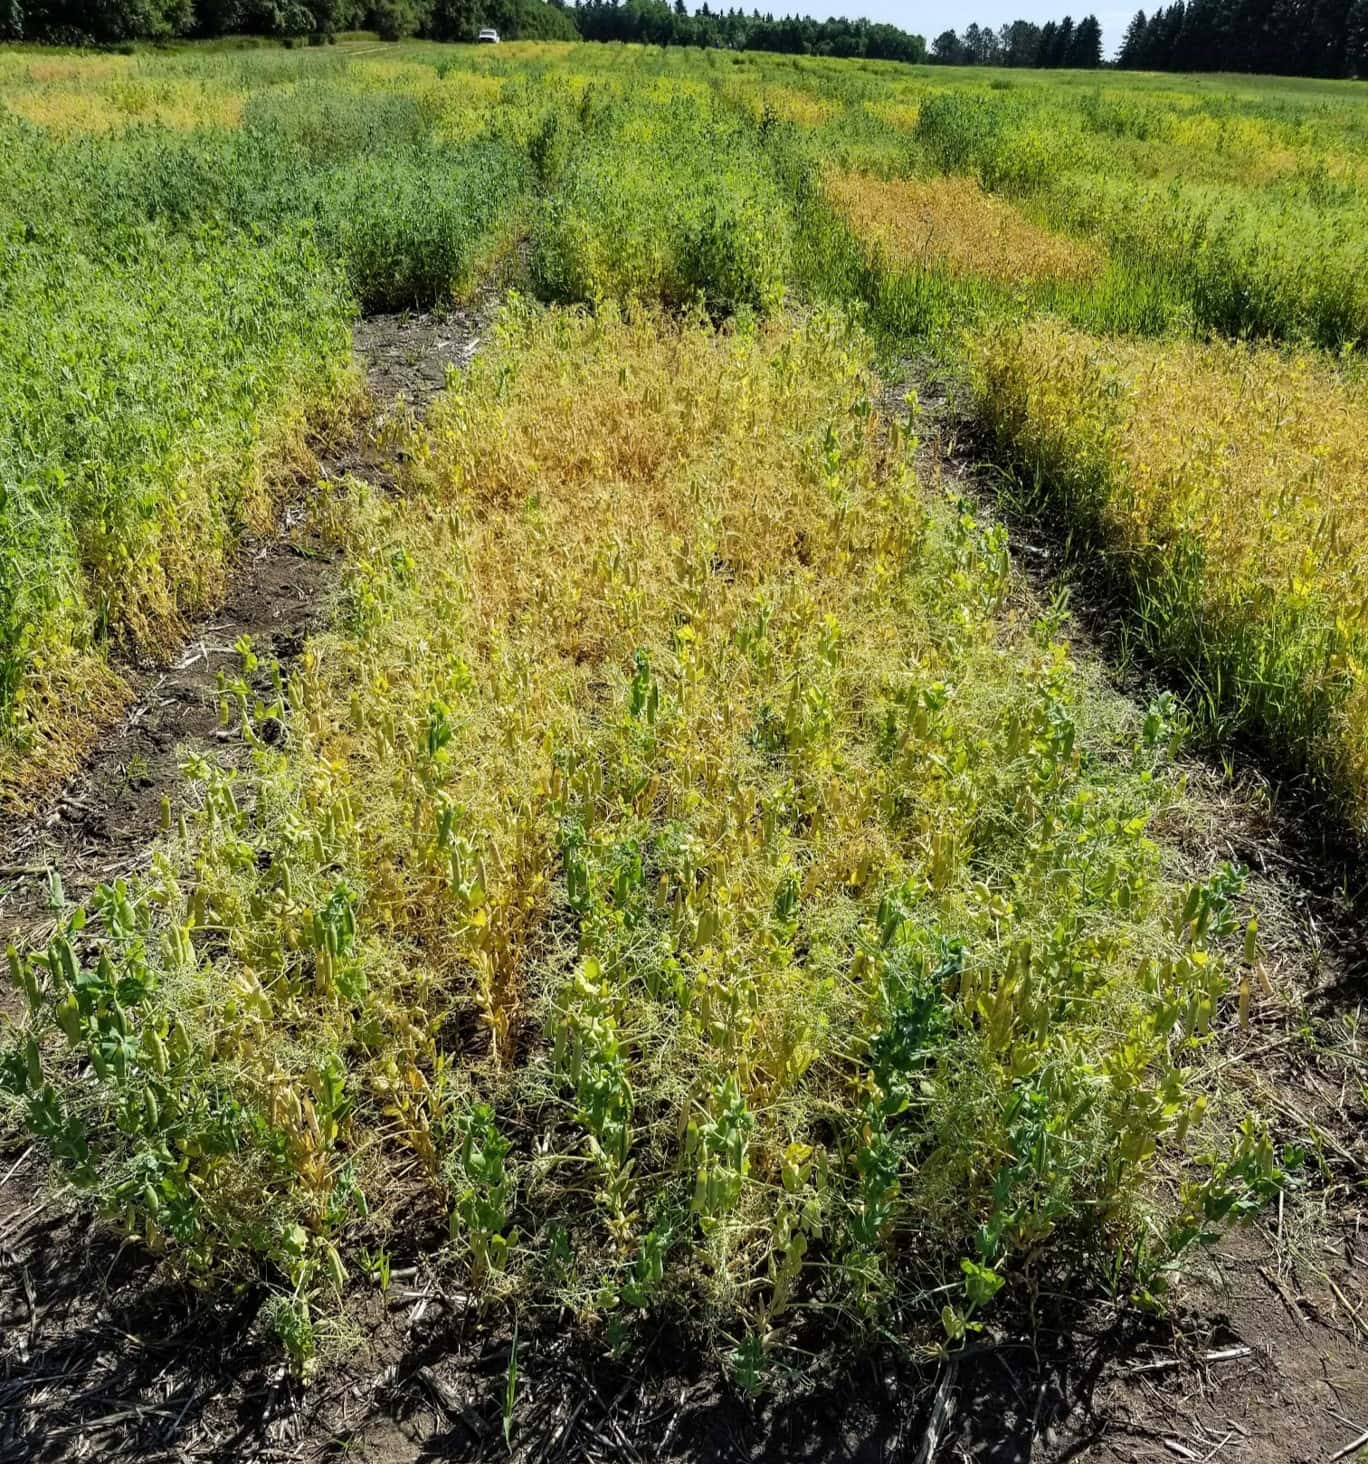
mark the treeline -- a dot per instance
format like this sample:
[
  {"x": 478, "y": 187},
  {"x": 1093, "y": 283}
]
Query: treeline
[
  {"x": 1023, "y": 43},
  {"x": 1287, "y": 37},
  {"x": 651, "y": 22},
  {"x": 109, "y": 22},
  {"x": 656, "y": 23}
]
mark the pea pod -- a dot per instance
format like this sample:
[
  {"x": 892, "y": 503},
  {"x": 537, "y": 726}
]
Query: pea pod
[
  {"x": 155, "y": 1049},
  {"x": 69, "y": 1019}
]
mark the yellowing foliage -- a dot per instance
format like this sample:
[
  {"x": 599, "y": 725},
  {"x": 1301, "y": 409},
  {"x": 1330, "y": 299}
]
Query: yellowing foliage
[
  {"x": 1255, "y": 150},
  {"x": 900, "y": 114},
  {"x": 789, "y": 103},
  {"x": 1244, "y": 469},
  {"x": 1260, "y": 455},
  {"x": 688, "y": 854},
  {"x": 675, "y": 789},
  {"x": 951, "y": 222},
  {"x": 125, "y": 101},
  {"x": 55, "y": 720}
]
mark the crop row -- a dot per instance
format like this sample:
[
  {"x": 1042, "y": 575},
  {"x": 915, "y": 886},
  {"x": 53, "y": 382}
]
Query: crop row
[{"x": 683, "y": 872}]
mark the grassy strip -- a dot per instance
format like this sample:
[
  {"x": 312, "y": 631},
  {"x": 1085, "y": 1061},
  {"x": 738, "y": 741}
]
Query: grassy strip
[{"x": 683, "y": 867}]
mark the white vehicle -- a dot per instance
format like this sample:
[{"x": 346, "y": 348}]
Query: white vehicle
[{"x": 488, "y": 37}]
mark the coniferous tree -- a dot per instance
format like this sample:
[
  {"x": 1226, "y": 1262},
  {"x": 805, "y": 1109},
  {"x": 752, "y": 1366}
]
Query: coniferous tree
[
  {"x": 1133, "y": 43},
  {"x": 1356, "y": 40},
  {"x": 1045, "y": 45},
  {"x": 1170, "y": 30},
  {"x": 1085, "y": 50},
  {"x": 1294, "y": 37},
  {"x": 1327, "y": 39},
  {"x": 1059, "y": 45},
  {"x": 1155, "y": 32}
]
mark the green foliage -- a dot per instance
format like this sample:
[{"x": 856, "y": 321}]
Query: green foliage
[
  {"x": 482, "y": 1190},
  {"x": 410, "y": 228},
  {"x": 67, "y": 22},
  {"x": 175, "y": 314},
  {"x": 669, "y": 202},
  {"x": 136, "y": 387},
  {"x": 1279, "y": 264},
  {"x": 104, "y": 20}
]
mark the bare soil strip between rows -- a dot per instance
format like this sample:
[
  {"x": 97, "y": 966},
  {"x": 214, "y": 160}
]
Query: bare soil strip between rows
[{"x": 100, "y": 826}]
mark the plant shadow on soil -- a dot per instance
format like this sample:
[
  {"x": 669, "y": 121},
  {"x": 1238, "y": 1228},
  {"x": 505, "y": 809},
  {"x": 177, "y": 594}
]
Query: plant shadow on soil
[
  {"x": 101, "y": 1358},
  {"x": 138, "y": 1369},
  {"x": 104, "y": 1353}
]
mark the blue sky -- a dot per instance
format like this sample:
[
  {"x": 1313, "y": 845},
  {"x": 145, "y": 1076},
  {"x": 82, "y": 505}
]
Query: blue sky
[{"x": 930, "y": 17}]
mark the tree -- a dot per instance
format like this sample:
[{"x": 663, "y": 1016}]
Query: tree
[
  {"x": 1059, "y": 46},
  {"x": 1294, "y": 37},
  {"x": 1356, "y": 40},
  {"x": 1133, "y": 43},
  {"x": 395, "y": 19},
  {"x": 106, "y": 20},
  {"x": 1045, "y": 45},
  {"x": 453, "y": 20},
  {"x": 1325, "y": 47},
  {"x": 988, "y": 51},
  {"x": 1019, "y": 42},
  {"x": 946, "y": 49},
  {"x": 1085, "y": 50},
  {"x": 888, "y": 43},
  {"x": 1151, "y": 57}
]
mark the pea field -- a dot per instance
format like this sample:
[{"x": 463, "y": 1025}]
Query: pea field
[{"x": 701, "y": 896}]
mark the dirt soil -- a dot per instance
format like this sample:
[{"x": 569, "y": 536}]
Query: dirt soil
[{"x": 1260, "y": 1360}]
